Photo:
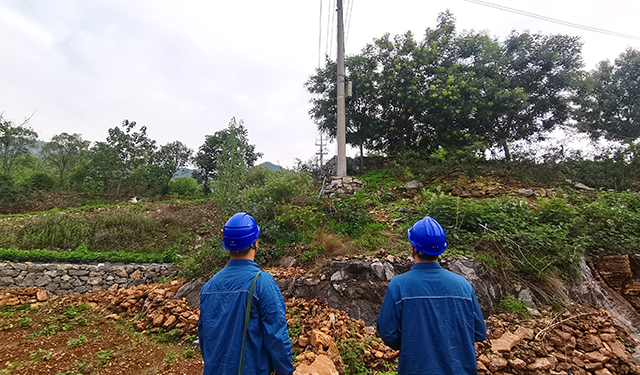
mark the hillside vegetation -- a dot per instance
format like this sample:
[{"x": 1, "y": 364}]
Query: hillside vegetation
[{"x": 504, "y": 218}]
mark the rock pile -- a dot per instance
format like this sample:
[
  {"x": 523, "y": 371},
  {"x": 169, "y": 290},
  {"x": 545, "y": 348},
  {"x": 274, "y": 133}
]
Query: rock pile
[
  {"x": 579, "y": 341},
  {"x": 336, "y": 185},
  {"x": 152, "y": 305},
  {"x": 21, "y": 296},
  {"x": 318, "y": 330}
]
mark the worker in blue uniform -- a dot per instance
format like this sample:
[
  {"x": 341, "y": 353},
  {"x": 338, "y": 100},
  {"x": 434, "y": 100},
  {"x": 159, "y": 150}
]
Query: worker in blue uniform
[
  {"x": 229, "y": 341},
  {"x": 429, "y": 314}
]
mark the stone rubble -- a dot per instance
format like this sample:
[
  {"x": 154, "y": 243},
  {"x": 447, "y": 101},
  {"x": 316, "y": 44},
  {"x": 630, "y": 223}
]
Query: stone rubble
[
  {"x": 580, "y": 340},
  {"x": 340, "y": 185}
]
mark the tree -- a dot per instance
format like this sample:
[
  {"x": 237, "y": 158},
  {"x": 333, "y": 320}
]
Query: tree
[
  {"x": 529, "y": 92},
  {"x": 15, "y": 140},
  {"x": 451, "y": 90},
  {"x": 230, "y": 144},
  {"x": 64, "y": 152},
  {"x": 168, "y": 160},
  {"x": 609, "y": 99},
  {"x": 123, "y": 160}
]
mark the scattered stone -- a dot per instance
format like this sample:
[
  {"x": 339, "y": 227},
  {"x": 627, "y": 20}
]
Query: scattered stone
[
  {"x": 322, "y": 365},
  {"x": 413, "y": 184},
  {"x": 41, "y": 295},
  {"x": 504, "y": 344}
]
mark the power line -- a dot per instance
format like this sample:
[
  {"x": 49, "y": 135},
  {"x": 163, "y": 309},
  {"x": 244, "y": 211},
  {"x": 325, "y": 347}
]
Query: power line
[
  {"x": 333, "y": 20},
  {"x": 349, "y": 13},
  {"x": 320, "y": 37},
  {"x": 549, "y": 19},
  {"x": 329, "y": 28}
]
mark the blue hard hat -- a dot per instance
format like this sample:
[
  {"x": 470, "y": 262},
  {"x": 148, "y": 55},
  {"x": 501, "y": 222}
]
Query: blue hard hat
[
  {"x": 240, "y": 232},
  {"x": 427, "y": 236}
]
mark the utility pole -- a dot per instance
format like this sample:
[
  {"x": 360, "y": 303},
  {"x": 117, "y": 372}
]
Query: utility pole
[
  {"x": 322, "y": 151},
  {"x": 341, "y": 136}
]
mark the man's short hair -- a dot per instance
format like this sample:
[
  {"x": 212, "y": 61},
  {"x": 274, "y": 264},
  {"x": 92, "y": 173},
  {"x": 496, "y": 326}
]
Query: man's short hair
[
  {"x": 426, "y": 257},
  {"x": 243, "y": 252}
]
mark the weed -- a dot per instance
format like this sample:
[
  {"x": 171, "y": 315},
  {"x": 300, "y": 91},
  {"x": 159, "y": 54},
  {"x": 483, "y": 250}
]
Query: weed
[
  {"x": 309, "y": 256},
  {"x": 190, "y": 338},
  {"x": 294, "y": 330},
  {"x": 352, "y": 353},
  {"x": 512, "y": 304},
  {"x": 25, "y": 323},
  {"x": 10, "y": 367},
  {"x": 167, "y": 336},
  {"x": 103, "y": 357},
  {"x": 487, "y": 260},
  {"x": 95, "y": 333},
  {"x": 189, "y": 353},
  {"x": 46, "y": 331},
  {"x": 40, "y": 355},
  {"x": 170, "y": 358},
  {"x": 82, "y": 368},
  {"x": 79, "y": 341}
]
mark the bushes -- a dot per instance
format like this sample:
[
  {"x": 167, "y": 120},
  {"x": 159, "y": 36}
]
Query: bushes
[
  {"x": 609, "y": 223},
  {"x": 185, "y": 187}
]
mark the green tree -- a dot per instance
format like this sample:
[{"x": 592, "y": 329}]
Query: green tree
[
  {"x": 168, "y": 160},
  {"x": 15, "y": 140},
  {"x": 609, "y": 99},
  {"x": 64, "y": 152},
  {"x": 451, "y": 90},
  {"x": 122, "y": 163},
  {"x": 530, "y": 90},
  {"x": 229, "y": 144}
]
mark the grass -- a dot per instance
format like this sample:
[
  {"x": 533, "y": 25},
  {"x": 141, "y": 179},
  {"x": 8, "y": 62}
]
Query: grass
[{"x": 141, "y": 228}]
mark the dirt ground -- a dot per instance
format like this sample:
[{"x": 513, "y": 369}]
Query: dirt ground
[{"x": 79, "y": 341}]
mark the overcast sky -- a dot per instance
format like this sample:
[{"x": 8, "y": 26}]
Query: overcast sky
[{"x": 184, "y": 68}]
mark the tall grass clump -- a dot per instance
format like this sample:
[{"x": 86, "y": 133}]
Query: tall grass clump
[{"x": 124, "y": 229}]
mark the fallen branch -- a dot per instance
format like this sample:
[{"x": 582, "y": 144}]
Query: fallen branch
[{"x": 562, "y": 321}]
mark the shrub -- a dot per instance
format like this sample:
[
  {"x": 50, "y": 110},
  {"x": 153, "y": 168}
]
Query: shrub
[
  {"x": 40, "y": 182},
  {"x": 185, "y": 187}
]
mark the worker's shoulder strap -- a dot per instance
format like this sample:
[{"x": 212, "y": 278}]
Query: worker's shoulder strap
[{"x": 246, "y": 318}]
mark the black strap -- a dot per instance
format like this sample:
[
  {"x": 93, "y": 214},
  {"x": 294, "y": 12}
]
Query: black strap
[{"x": 246, "y": 318}]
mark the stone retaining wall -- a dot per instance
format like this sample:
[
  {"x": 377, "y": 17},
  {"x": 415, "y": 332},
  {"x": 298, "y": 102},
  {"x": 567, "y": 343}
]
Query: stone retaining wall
[{"x": 82, "y": 278}]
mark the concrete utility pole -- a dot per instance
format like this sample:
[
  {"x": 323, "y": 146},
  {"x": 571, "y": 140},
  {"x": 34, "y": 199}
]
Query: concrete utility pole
[{"x": 342, "y": 157}]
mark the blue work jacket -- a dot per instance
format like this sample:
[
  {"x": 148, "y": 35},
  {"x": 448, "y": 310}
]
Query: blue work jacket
[
  {"x": 223, "y": 303},
  {"x": 432, "y": 316}
]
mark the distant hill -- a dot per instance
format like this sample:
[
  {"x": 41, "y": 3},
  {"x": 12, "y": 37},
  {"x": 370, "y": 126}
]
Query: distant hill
[{"x": 271, "y": 166}]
